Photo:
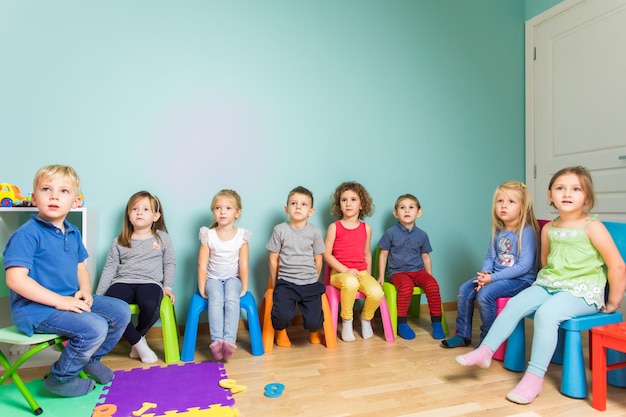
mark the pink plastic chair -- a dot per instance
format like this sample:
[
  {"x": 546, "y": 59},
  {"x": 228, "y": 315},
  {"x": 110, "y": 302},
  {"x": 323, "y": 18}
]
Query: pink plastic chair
[
  {"x": 500, "y": 303},
  {"x": 334, "y": 299}
]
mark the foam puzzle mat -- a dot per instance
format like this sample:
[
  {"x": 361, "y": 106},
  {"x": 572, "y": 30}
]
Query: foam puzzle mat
[
  {"x": 13, "y": 404},
  {"x": 190, "y": 389}
]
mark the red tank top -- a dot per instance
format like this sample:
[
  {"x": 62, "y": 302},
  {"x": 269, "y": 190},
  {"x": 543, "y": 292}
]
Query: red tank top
[{"x": 349, "y": 246}]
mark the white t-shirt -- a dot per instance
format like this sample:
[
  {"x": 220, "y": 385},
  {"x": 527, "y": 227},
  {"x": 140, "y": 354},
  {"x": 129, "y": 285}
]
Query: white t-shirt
[{"x": 224, "y": 255}]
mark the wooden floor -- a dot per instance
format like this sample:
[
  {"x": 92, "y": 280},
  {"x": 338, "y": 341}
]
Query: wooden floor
[{"x": 375, "y": 378}]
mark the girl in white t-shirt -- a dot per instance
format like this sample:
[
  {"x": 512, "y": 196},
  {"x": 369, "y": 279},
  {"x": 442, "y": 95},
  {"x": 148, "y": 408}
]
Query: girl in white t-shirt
[{"x": 223, "y": 271}]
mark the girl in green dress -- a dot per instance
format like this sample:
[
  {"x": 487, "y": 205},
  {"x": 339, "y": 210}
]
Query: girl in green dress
[{"x": 578, "y": 255}]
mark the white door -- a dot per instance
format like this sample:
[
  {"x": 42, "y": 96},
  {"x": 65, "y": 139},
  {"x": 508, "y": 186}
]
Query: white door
[{"x": 576, "y": 100}]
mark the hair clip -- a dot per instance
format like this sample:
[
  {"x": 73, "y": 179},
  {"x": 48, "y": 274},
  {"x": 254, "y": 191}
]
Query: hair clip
[{"x": 521, "y": 184}]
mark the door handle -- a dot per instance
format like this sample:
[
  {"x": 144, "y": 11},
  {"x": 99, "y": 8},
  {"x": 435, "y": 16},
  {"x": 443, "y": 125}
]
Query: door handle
[{"x": 622, "y": 157}]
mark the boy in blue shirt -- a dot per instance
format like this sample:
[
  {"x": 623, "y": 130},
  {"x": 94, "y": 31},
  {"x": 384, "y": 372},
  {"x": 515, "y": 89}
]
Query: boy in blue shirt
[
  {"x": 51, "y": 290},
  {"x": 405, "y": 257}
]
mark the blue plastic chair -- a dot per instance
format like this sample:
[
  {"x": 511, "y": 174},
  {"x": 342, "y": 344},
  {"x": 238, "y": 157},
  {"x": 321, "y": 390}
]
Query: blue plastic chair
[
  {"x": 569, "y": 350},
  {"x": 199, "y": 304}
]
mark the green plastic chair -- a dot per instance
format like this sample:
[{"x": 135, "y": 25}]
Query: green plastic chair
[
  {"x": 169, "y": 327},
  {"x": 391, "y": 295},
  {"x": 35, "y": 344}
]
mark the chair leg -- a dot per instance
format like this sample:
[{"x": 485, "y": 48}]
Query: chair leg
[
  {"x": 415, "y": 306},
  {"x": 170, "y": 331},
  {"x": 267, "y": 330},
  {"x": 599, "y": 373},
  {"x": 391, "y": 296},
  {"x": 256, "y": 339},
  {"x": 19, "y": 383},
  {"x": 515, "y": 355},
  {"x": 332, "y": 294},
  {"x": 330, "y": 334},
  {"x": 386, "y": 319},
  {"x": 573, "y": 379},
  {"x": 196, "y": 306}
]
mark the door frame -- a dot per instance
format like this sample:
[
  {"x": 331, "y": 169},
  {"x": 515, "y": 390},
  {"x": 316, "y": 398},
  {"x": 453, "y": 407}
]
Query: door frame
[{"x": 529, "y": 28}]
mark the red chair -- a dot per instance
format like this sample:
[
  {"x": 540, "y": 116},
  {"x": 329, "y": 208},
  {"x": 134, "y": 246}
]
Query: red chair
[{"x": 611, "y": 336}]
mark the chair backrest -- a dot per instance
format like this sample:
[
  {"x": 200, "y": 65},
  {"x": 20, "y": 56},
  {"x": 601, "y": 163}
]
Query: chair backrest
[
  {"x": 618, "y": 233},
  {"x": 326, "y": 273}
]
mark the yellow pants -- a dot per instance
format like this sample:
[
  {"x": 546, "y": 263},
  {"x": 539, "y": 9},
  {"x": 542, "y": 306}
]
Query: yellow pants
[{"x": 348, "y": 284}]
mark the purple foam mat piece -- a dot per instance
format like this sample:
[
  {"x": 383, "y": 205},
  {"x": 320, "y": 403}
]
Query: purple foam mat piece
[{"x": 171, "y": 388}]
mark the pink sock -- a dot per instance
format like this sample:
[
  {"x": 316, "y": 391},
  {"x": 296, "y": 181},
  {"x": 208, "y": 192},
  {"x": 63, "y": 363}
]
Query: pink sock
[
  {"x": 527, "y": 390},
  {"x": 480, "y": 356}
]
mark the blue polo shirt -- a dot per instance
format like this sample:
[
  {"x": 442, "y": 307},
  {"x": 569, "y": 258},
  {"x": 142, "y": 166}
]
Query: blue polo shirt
[
  {"x": 52, "y": 259},
  {"x": 405, "y": 248}
]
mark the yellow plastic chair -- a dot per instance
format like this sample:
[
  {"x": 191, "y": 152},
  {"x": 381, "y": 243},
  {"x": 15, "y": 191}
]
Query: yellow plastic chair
[
  {"x": 169, "y": 327},
  {"x": 391, "y": 295}
]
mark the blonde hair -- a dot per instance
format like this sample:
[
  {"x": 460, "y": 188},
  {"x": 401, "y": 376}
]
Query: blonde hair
[
  {"x": 124, "y": 237},
  {"x": 526, "y": 215},
  {"x": 57, "y": 171},
  {"x": 232, "y": 194},
  {"x": 586, "y": 183},
  {"x": 367, "y": 207}
]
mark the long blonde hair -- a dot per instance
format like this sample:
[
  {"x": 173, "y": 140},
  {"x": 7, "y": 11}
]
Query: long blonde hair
[{"x": 526, "y": 215}]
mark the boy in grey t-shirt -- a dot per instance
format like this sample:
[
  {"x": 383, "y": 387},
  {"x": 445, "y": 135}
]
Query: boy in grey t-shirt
[{"x": 295, "y": 262}]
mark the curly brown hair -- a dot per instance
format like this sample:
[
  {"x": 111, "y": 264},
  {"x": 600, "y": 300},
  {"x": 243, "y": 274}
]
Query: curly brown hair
[{"x": 367, "y": 206}]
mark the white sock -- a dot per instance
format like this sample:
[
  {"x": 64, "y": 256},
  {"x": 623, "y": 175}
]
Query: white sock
[
  {"x": 347, "y": 335},
  {"x": 366, "y": 328},
  {"x": 133, "y": 353},
  {"x": 145, "y": 353}
]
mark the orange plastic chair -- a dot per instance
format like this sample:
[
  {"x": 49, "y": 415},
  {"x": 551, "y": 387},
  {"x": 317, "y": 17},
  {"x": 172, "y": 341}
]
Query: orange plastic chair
[{"x": 267, "y": 330}]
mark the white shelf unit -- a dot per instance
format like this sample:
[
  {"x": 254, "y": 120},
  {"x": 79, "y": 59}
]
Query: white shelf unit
[{"x": 12, "y": 218}]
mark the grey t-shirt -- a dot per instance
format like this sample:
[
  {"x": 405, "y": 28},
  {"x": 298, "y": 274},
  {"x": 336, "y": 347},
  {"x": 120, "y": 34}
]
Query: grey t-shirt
[{"x": 296, "y": 249}]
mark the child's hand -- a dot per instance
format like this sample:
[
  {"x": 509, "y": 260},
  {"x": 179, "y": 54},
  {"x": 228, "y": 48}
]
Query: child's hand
[
  {"x": 610, "y": 307},
  {"x": 353, "y": 271},
  {"x": 482, "y": 279},
  {"x": 85, "y": 296},
  {"x": 75, "y": 304},
  {"x": 170, "y": 294}
]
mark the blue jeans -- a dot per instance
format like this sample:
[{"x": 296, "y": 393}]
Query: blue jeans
[
  {"x": 91, "y": 334},
  {"x": 550, "y": 310},
  {"x": 223, "y": 295},
  {"x": 486, "y": 301}
]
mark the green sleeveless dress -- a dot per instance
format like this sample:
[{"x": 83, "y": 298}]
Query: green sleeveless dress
[{"x": 574, "y": 265}]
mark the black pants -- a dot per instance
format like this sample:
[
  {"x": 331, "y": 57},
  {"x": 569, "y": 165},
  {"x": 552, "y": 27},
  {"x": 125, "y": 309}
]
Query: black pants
[
  {"x": 307, "y": 297},
  {"x": 148, "y": 298}
]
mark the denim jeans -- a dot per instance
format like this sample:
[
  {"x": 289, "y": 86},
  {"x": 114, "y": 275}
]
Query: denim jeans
[
  {"x": 223, "y": 295},
  {"x": 91, "y": 334},
  {"x": 485, "y": 299},
  {"x": 550, "y": 310}
]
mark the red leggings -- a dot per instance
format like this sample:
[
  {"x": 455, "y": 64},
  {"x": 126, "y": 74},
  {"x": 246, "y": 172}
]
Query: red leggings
[{"x": 404, "y": 283}]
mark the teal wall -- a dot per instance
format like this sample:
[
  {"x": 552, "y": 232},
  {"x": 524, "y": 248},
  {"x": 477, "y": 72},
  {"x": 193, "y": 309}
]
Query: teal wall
[
  {"x": 535, "y": 7},
  {"x": 185, "y": 98}
]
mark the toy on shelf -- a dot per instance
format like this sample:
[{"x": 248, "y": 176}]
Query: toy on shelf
[{"x": 11, "y": 196}]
